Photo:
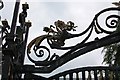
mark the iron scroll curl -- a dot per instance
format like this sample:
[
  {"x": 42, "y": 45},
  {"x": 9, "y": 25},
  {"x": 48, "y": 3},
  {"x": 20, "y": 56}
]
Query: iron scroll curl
[
  {"x": 113, "y": 22},
  {"x": 114, "y": 19},
  {"x": 1, "y": 4}
]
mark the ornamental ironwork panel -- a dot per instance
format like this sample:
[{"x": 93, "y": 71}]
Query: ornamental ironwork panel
[
  {"x": 58, "y": 33},
  {"x": 14, "y": 46}
]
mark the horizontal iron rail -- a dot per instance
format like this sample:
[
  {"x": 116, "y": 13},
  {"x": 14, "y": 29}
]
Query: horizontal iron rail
[
  {"x": 81, "y": 71},
  {"x": 86, "y": 69}
]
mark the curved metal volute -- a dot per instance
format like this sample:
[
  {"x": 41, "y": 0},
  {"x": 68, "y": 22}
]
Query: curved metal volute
[{"x": 1, "y": 4}]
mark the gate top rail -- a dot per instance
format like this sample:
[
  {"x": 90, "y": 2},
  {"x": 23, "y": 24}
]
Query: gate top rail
[{"x": 96, "y": 73}]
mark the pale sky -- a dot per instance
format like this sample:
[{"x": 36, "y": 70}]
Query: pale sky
[{"x": 44, "y": 13}]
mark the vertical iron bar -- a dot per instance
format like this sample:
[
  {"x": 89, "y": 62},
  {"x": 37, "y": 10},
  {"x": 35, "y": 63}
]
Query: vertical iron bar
[
  {"x": 64, "y": 77},
  {"x": 106, "y": 75},
  {"x": 83, "y": 75},
  {"x": 89, "y": 75},
  {"x": 25, "y": 41},
  {"x": 77, "y": 75},
  {"x": 71, "y": 76},
  {"x": 116, "y": 74},
  {"x": 15, "y": 14},
  {"x": 57, "y": 78},
  {"x": 5, "y": 68},
  {"x": 95, "y": 75}
]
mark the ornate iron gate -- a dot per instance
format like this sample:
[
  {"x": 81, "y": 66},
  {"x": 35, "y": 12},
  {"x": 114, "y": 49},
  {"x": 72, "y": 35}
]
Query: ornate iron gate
[{"x": 13, "y": 50}]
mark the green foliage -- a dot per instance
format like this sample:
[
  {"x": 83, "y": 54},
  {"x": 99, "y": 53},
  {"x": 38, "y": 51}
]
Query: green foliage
[{"x": 110, "y": 54}]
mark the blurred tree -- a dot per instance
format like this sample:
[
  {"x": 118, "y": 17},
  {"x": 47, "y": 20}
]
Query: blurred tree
[
  {"x": 112, "y": 56},
  {"x": 112, "y": 52}
]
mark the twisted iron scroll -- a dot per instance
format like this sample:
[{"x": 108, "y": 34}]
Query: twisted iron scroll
[{"x": 60, "y": 32}]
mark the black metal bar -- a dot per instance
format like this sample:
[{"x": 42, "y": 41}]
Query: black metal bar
[
  {"x": 89, "y": 75},
  {"x": 5, "y": 67},
  {"x": 15, "y": 15},
  {"x": 83, "y": 75},
  {"x": 95, "y": 75},
  {"x": 77, "y": 76},
  {"x": 116, "y": 74},
  {"x": 71, "y": 76},
  {"x": 28, "y": 24},
  {"x": 106, "y": 75},
  {"x": 64, "y": 77},
  {"x": 57, "y": 78}
]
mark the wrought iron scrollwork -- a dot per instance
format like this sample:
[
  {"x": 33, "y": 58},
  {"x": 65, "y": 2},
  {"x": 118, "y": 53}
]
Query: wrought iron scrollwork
[
  {"x": 56, "y": 36},
  {"x": 1, "y": 4},
  {"x": 114, "y": 18},
  {"x": 114, "y": 22},
  {"x": 40, "y": 52}
]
